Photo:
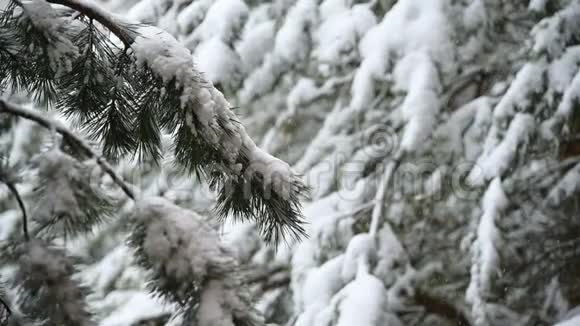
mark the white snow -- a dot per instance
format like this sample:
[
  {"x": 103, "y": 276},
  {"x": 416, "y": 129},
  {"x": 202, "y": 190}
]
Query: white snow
[
  {"x": 485, "y": 257},
  {"x": 417, "y": 75},
  {"x": 318, "y": 289},
  {"x": 217, "y": 60},
  {"x": 61, "y": 50},
  {"x": 570, "y": 98},
  {"x": 360, "y": 247},
  {"x": 288, "y": 57},
  {"x": 562, "y": 70},
  {"x": 494, "y": 202},
  {"x": 363, "y": 302},
  {"x": 131, "y": 307},
  {"x": 574, "y": 321},
  {"x": 163, "y": 54},
  {"x": 179, "y": 241},
  {"x": 8, "y": 223},
  {"x": 184, "y": 245},
  {"x": 211, "y": 309},
  {"x": 392, "y": 259},
  {"x": 537, "y": 5},
  {"x": 63, "y": 172},
  {"x": 341, "y": 29},
  {"x": 256, "y": 41},
  {"x": 425, "y": 43},
  {"x": 475, "y": 15},
  {"x": 171, "y": 61},
  {"x": 291, "y": 41},
  {"x": 102, "y": 275},
  {"x": 223, "y": 19},
  {"x": 551, "y": 34},
  {"x": 193, "y": 15},
  {"x": 291, "y": 46},
  {"x": 146, "y": 10},
  {"x": 495, "y": 163},
  {"x": 528, "y": 82}
]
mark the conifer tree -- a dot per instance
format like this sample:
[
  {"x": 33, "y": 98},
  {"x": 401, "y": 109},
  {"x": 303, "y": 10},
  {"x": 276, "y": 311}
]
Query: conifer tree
[
  {"x": 126, "y": 86},
  {"x": 439, "y": 140}
]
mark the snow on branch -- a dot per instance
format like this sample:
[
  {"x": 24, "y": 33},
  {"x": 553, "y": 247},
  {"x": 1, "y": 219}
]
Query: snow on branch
[
  {"x": 498, "y": 159},
  {"x": 157, "y": 82},
  {"x": 93, "y": 11},
  {"x": 190, "y": 264},
  {"x": 485, "y": 256},
  {"x": 78, "y": 205},
  {"x": 12, "y": 109},
  {"x": 252, "y": 182},
  {"x": 48, "y": 290}
]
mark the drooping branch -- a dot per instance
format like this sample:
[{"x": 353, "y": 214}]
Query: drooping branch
[
  {"x": 70, "y": 137},
  {"x": 103, "y": 17}
]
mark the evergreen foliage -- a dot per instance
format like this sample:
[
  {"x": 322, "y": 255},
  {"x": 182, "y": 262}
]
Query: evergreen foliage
[
  {"x": 439, "y": 139},
  {"x": 126, "y": 107},
  {"x": 67, "y": 59}
]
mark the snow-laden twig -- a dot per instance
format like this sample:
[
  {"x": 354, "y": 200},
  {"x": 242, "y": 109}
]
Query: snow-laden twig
[
  {"x": 25, "y": 113},
  {"x": 190, "y": 265}
]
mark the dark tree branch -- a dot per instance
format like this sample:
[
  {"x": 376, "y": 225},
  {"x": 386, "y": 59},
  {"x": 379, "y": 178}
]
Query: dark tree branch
[
  {"x": 69, "y": 136},
  {"x": 103, "y": 17},
  {"x": 12, "y": 187}
]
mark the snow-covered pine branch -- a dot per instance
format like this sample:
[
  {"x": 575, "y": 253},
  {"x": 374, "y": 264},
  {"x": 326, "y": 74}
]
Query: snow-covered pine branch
[
  {"x": 127, "y": 98},
  {"x": 191, "y": 266},
  {"x": 251, "y": 182},
  {"x": 70, "y": 137},
  {"x": 454, "y": 83},
  {"x": 48, "y": 293}
]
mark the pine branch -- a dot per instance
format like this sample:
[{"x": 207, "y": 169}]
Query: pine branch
[
  {"x": 69, "y": 136},
  {"x": 86, "y": 89},
  {"x": 10, "y": 70},
  {"x": 112, "y": 127},
  {"x": 47, "y": 290},
  {"x": 165, "y": 91},
  {"x": 43, "y": 50},
  {"x": 106, "y": 19},
  {"x": 190, "y": 265},
  {"x": 79, "y": 205}
]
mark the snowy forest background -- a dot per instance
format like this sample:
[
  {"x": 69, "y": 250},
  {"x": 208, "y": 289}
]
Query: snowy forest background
[{"x": 439, "y": 139}]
